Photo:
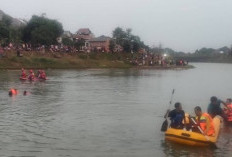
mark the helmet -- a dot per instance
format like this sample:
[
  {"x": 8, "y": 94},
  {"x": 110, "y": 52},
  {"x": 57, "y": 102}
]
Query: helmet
[{"x": 31, "y": 71}]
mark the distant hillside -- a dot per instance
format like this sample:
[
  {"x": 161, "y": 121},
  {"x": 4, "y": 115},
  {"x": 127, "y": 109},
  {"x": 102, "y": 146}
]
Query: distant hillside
[{"x": 14, "y": 22}]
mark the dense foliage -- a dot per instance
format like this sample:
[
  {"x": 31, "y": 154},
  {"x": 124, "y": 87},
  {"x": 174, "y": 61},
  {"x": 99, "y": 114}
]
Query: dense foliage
[
  {"x": 8, "y": 33},
  {"x": 41, "y": 30},
  {"x": 128, "y": 41}
]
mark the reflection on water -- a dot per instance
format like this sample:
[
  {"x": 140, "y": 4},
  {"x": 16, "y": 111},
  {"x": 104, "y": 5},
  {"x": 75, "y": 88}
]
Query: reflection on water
[{"x": 106, "y": 112}]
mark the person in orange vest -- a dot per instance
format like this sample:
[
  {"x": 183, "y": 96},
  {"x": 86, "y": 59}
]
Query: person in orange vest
[
  {"x": 43, "y": 75},
  {"x": 228, "y": 110},
  {"x": 13, "y": 91},
  {"x": 39, "y": 73},
  {"x": 204, "y": 121},
  {"x": 31, "y": 77},
  {"x": 229, "y": 103},
  {"x": 23, "y": 75}
]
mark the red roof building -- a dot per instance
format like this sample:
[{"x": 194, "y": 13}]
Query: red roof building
[
  {"x": 83, "y": 33},
  {"x": 100, "y": 44}
]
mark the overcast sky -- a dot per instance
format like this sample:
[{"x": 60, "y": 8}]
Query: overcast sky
[{"x": 184, "y": 25}]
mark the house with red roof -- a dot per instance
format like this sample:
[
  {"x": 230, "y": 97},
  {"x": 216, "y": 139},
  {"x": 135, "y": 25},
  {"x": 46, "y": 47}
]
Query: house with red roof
[
  {"x": 100, "y": 44},
  {"x": 84, "y": 34}
]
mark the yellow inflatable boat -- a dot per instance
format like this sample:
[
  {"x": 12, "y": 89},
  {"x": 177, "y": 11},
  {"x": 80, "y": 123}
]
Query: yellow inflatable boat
[{"x": 193, "y": 138}]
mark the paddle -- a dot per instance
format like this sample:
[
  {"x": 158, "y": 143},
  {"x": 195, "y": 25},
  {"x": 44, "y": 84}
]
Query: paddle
[
  {"x": 164, "y": 126},
  {"x": 207, "y": 138}
]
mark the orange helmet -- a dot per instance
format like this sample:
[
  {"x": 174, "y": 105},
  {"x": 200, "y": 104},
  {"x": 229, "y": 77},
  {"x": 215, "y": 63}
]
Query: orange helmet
[{"x": 31, "y": 71}]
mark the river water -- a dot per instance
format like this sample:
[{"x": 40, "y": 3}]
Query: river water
[{"x": 107, "y": 112}]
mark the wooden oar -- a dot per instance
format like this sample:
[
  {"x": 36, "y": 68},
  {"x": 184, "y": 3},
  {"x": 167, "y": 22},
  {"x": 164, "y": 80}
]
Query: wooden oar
[{"x": 164, "y": 126}]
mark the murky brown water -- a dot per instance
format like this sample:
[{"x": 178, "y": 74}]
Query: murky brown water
[{"x": 102, "y": 113}]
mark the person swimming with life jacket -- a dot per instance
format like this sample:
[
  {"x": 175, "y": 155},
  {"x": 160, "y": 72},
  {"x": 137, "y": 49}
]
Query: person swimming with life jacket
[
  {"x": 204, "y": 121},
  {"x": 31, "y": 76},
  {"x": 177, "y": 117},
  {"x": 12, "y": 92},
  {"x": 25, "y": 93}
]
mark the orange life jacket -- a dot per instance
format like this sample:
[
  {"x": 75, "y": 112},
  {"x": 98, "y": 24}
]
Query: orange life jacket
[
  {"x": 24, "y": 75},
  {"x": 203, "y": 124},
  {"x": 14, "y": 91}
]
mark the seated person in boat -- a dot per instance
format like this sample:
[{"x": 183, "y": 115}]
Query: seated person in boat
[
  {"x": 205, "y": 122},
  {"x": 43, "y": 75},
  {"x": 229, "y": 103},
  {"x": 214, "y": 107},
  {"x": 31, "y": 75},
  {"x": 228, "y": 110},
  {"x": 177, "y": 117},
  {"x": 23, "y": 75},
  {"x": 39, "y": 73}
]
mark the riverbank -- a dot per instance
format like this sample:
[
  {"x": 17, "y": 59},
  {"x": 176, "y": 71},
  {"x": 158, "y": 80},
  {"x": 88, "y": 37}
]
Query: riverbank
[
  {"x": 56, "y": 60},
  {"x": 207, "y": 59}
]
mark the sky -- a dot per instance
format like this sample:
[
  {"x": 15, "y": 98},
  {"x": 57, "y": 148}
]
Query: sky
[{"x": 183, "y": 25}]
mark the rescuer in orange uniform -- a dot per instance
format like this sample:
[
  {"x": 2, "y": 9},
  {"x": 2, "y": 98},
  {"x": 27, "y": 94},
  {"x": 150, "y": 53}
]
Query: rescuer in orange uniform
[{"x": 204, "y": 121}]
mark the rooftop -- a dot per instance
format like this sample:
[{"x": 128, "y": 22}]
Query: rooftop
[{"x": 100, "y": 39}]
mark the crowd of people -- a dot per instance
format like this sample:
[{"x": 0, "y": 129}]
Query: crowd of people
[
  {"x": 39, "y": 48},
  {"x": 144, "y": 58},
  {"x": 152, "y": 59},
  {"x": 203, "y": 120}
]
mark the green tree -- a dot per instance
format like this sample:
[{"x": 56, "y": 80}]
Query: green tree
[
  {"x": 41, "y": 30},
  {"x": 127, "y": 40},
  {"x": 15, "y": 35},
  {"x": 67, "y": 42},
  {"x": 78, "y": 44},
  {"x": 119, "y": 35},
  {"x": 6, "y": 20},
  {"x": 112, "y": 45},
  {"x": 4, "y": 32},
  {"x": 5, "y": 29}
]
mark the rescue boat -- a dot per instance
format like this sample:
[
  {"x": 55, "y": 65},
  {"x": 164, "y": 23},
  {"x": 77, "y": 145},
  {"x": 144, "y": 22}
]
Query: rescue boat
[{"x": 193, "y": 138}]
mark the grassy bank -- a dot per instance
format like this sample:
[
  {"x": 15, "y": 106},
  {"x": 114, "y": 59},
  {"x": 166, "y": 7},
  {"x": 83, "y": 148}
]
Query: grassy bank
[
  {"x": 46, "y": 60},
  {"x": 62, "y": 61}
]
